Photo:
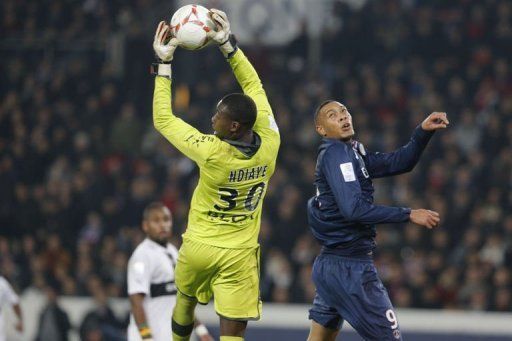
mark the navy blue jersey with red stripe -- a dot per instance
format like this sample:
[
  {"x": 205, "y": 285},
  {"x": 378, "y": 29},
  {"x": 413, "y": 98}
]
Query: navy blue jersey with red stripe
[{"x": 342, "y": 215}]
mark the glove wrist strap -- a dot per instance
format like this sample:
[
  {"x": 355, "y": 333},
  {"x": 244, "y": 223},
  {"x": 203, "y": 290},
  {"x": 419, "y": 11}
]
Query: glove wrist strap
[
  {"x": 163, "y": 70},
  {"x": 229, "y": 47}
]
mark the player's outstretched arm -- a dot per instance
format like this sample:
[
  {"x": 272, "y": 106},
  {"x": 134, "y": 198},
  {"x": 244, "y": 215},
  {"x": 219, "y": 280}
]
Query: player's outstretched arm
[
  {"x": 138, "y": 287},
  {"x": 243, "y": 70},
  {"x": 405, "y": 158},
  {"x": 182, "y": 135},
  {"x": 10, "y": 296},
  {"x": 340, "y": 175},
  {"x": 19, "y": 324}
]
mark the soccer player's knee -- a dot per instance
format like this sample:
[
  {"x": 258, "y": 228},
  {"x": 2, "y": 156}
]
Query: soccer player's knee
[
  {"x": 183, "y": 318},
  {"x": 183, "y": 314},
  {"x": 186, "y": 301},
  {"x": 319, "y": 332}
]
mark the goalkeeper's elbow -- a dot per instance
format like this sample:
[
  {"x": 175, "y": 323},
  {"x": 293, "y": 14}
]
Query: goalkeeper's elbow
[{"x": 158, "y": 124}]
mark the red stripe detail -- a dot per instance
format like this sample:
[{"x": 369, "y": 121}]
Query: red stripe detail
[
  {"x": 196, "y": 22},
  {"x": 167, "y": 35},
  {"x": 160, "y": 28},
  {"x": 186, "y": 18}
]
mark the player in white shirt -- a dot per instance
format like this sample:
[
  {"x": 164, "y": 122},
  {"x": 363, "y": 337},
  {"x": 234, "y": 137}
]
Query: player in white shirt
[
  {"x": 8, "y": 296},
  {"x": 151, "y": 285}
]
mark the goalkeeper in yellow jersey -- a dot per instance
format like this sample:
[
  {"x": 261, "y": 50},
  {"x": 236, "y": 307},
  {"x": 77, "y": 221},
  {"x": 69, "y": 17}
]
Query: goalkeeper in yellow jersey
[{"x": 220, "y": 253}]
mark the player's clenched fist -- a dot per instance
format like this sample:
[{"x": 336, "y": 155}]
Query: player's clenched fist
[
  {"x": 427, "y": 218},
  {"x": 434, "y": 121}
]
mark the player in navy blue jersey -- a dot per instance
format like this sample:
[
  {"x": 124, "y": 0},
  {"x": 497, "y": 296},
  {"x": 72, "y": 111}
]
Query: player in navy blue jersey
[{"x": 342, "y": 217}]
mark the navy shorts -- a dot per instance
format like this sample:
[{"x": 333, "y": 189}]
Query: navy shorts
[{"x": 350, "y": 289}]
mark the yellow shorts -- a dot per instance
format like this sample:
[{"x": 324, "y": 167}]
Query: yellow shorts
[{"x": 231, "y": 276}]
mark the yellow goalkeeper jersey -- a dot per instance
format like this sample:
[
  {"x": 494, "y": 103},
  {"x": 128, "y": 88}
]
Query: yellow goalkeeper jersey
[{"x": 225, "y": 209}]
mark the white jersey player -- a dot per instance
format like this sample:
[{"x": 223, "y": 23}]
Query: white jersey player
[
  {"x": 8, "y": 296},
  {"x": 151, "y": 285}
]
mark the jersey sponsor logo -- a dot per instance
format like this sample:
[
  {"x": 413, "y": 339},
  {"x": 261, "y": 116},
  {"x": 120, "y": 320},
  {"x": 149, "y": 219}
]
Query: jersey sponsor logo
[
  {"x": 347, "y": 170},
  {"x": 239, "y": 175},
  {"x": 230, "y": 217}
]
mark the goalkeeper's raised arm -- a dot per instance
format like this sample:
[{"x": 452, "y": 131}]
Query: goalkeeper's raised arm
[
  {"x": 183, "y": 136},
  {"x": 244, "y": 72}
]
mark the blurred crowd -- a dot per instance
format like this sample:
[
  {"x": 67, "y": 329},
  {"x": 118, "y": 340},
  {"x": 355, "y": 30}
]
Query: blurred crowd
[{"x": 79, "y": 157}]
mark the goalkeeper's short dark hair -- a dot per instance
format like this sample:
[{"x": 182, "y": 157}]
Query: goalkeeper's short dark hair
[{"x": 240, "y": 108}]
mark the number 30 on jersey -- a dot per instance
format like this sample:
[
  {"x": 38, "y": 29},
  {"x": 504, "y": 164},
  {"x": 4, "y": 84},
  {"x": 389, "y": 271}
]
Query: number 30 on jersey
[{"x": 229, "y": 196}]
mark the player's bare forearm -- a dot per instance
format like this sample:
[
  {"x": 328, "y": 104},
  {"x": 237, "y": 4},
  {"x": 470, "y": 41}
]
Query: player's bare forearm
[
  {"x": 17, "y": 311},
  {"x": 139, "y": 315}
]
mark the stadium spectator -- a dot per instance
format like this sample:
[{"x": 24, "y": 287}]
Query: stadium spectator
[
  {"x": 53, "y": 322},
  {"x": 101, "y": 321}
]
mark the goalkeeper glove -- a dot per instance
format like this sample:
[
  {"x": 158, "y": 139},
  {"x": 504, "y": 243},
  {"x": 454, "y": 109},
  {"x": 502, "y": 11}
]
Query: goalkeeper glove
[
  {"x": 164, "y": 51},
  {"x": 222, "y": 36}
]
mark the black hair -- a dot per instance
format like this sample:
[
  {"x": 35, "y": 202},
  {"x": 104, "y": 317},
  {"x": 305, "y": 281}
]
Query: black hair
[
  {"x": 239, "y": 107},
  {"x": 323, "y": 104},
  {"x": 150, "y": 207}
]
